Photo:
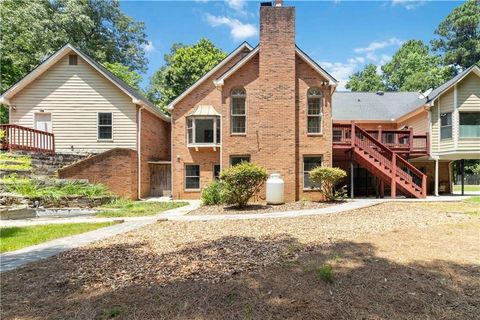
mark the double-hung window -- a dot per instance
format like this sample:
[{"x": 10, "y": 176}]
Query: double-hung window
[
  {"x": 314, "y": 111},
  {"x": 469, "y": 124},
  {"x": 446, "y": 126},
  {"x": 309, "y": 163},
  {"x": 238, "y": 111},
  {"x": 216, "y": 172},
  {"x": 105, "y": 126},
  {"x": 192, "y": 177},
  {"x": 203, "y": 130}
]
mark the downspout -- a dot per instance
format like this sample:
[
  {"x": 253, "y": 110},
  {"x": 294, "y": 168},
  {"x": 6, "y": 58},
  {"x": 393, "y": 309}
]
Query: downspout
[{"x": 139, "y": 153}]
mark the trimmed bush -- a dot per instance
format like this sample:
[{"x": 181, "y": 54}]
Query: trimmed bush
[
  {"x": 327, "y": 178},
  {"x": 214, "y": 194},
  {"x": 242, "y": 182}
]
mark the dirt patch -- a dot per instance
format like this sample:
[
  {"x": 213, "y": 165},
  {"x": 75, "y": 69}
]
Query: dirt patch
[
  {"x": 391, "y": 261},
  {"x": 261, "y": 208}
]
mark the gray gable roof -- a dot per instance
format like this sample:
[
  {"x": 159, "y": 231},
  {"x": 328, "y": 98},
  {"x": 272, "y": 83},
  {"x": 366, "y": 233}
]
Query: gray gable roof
[{"x": 373, "y": 106}]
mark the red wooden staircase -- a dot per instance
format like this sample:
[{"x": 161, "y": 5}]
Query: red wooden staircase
[{"x": 384, "y": 163}]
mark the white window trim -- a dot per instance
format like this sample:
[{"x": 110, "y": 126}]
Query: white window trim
[
  {"x": 303, "y": 169},
  {"x": 320, "y": 115},
  {"x": 203, "y": 144},
  {"x": 199, "y": 177},
  {"x": 238, "y": 115},
  {"x": 98, "y": 126}
]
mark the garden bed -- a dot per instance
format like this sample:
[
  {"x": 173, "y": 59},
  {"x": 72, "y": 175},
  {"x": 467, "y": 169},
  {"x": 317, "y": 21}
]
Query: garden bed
[{"x": 261, "y": 208}]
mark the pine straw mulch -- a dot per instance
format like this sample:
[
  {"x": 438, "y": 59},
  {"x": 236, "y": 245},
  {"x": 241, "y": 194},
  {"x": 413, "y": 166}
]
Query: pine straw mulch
[
  {"x": 391, "y": 261},
  {"x": 261, "y": 208}
]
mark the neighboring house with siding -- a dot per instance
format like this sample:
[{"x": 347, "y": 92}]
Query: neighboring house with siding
[{"x": 89, "y": 110}]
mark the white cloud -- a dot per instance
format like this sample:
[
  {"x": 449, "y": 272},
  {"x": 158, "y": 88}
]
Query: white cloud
[
  {"x": 376, "y": 45},
  {"x": 237, "y": 5},
  {"x": 409, "y": 4},
  {"x": 149, "y": 47},
  {"x": 341, "y": 71},
  {"x": 238, "y": 29}
]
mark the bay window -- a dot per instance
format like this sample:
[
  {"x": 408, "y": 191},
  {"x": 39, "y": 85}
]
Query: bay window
[{"x": 203, "y": 130}]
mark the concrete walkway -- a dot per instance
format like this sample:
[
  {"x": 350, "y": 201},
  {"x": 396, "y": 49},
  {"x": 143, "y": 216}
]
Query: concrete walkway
[{"x": 14, "y": 259}]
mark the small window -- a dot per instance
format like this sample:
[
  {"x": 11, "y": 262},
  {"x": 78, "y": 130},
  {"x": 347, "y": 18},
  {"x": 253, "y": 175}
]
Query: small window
[
  {"x": 234, "y": 160},
  {"x": 216, "y": 172},
  {"x": 388, "y": 137},
  {"x": 310, "y": 163},
  {"x": 446, "y": 125},
  {"x": 315, "y": 110},
  {"x": 469, "y": 124},
  {"x": 105, "y": 126},
  {"x": 192, "y": 177},
  {"x": 238, "y": 111},
  {"x": 73, "y": 59}
]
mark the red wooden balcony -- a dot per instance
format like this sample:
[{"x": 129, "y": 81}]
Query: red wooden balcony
[
  {"x": 401, "y": 141},
  {"x": 22, "y": 138}
]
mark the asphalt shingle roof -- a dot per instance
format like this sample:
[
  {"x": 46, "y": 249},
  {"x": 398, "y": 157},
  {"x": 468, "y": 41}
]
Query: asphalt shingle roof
[{"x": 372, "y": 105}]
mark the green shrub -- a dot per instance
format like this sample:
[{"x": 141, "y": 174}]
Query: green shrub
[
  {"x": 325, "y": 273},
  {"x": 2, "y": 136},
  {"x": 326, "y": 178},
  {"x": 242, "y": 182},
  {"x": 214, "y": 194}
]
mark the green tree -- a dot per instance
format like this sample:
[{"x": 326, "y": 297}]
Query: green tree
[
  {"x": 3, "y": 114},
  {"x": 32, "y": 30},
  {"x": 184, "y": 65},
  {"x": 459, "y": 36},
  {"x": 413, "y": 68},
  {"x": 366, "y": 80},
  {"x": 132, "y": 78}
]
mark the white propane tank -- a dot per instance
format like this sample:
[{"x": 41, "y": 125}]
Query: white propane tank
[{"x": 275, "y": 189}]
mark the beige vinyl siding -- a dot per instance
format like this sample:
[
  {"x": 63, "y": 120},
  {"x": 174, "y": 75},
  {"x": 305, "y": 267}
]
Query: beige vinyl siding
[
  {"x": 435, "y": 133},
  {"x": 446, "y": 103},
  {"x": 468, "y": 99},
  {"x": 419, "y": 123},
  {"x": 74, "y": 94}
]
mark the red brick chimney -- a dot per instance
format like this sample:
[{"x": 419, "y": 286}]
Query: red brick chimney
[{"x": 276, "y": 92}]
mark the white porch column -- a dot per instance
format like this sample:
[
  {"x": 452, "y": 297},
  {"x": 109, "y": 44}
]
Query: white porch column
[{"x": 436, "y": 178}]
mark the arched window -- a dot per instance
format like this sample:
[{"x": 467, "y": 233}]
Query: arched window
[
  {"x": 314, "y": 110},
  {"x": 238, "y": 111}
]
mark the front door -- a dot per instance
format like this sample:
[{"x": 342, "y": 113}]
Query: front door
[
  {"x": 43, "y": 122},
  {"x": 160, "y": 180}
]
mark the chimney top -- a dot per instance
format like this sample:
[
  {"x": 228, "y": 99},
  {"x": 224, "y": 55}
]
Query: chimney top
[{"x": 278, "y": 3}]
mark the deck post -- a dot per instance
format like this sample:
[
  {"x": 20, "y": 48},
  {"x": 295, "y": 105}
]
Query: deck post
[
  {"x": 351, "y": 178},
  {"x": 410, "y": 140},
  {"x": 393, "y": 185},
  {"x": 436, "y": 178},
  {"x": 462, "y": 162},
  {"x": 379, "y": 138}
]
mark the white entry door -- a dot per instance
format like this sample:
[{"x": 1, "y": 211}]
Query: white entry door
[{"x": 43, "y": 121}]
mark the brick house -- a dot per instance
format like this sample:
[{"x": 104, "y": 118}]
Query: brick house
[{"x": 252, "y": 106}]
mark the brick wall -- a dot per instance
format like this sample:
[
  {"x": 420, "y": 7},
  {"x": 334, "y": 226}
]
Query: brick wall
[
  {"x": 115, "y": 168},
  {"x": 276, "y": 82},
  {"x": 155, "y": 145}
]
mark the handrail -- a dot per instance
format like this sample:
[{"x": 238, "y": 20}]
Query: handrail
[
  {"x": 390, "y": 160},
  {"x": 23, "y": 138}
]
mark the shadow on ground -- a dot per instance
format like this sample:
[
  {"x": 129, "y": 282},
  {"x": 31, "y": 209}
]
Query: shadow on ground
[{"x": 239, "y": 278}]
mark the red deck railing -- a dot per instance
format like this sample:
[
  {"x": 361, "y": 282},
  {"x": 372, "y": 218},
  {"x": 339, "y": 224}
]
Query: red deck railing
[
  {"x": 23, "y": 138},
  {"x": 400, "y": 141}
]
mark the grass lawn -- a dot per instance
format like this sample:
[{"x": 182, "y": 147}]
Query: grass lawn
[
  {"x": 467, "y": 188},
  {"x": 127, "y": 208},
  {"x": 14, "y": 238},
  {"x": 474, "y": 200}
]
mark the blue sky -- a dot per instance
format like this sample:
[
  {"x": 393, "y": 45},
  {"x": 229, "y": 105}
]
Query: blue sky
[{"x": 342, "y": 36}]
